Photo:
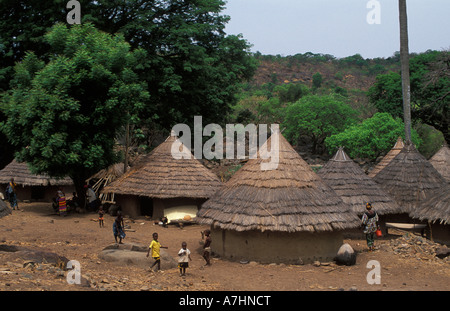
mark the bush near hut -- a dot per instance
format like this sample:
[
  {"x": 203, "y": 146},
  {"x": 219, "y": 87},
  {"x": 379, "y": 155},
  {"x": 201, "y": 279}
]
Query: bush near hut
[{"x": 371, "y": 138}]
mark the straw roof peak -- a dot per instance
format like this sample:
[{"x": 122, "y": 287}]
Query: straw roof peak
[
  {"x": 441, "y": 161},
  {"x": 290, "y": 198},
  {"x": 409, "y": 178},
  {"x": 354, "y": 187},
  {"x": 398, "y": 146},
  {"x": 162, "y": 174}
]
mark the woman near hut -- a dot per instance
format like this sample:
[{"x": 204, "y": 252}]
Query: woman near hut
[
  {"x": 11, "y": 194},
  {"x": 370, "y": 222},
  {"x": 62, "y": 205}
]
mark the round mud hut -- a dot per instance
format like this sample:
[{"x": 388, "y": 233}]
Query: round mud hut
[
  {"x": 388, "y": 157},
  {"x": 409, "y": 179},
  {"x": 436, "y": 211},
  {"x": 282, "y": 215},
  {"x": 33, "y": 187},
  {"x": 441, "y": 162},
  {"x": 163, "y": 185},
  {"x": 355, "y": 188}
]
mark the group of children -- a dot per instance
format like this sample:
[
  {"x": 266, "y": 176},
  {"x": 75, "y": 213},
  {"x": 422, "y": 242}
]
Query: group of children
[{"x": 184, "y": 254}]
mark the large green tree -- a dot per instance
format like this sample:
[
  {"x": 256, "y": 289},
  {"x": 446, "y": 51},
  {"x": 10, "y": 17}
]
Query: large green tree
[
  {"x": 370, "y": 138},
  {"x": 430, "y": 96},
  {"x": 192, "y": 66},
  {"x": 63, "y": 114},
  {"x": 317, "y": 117}
]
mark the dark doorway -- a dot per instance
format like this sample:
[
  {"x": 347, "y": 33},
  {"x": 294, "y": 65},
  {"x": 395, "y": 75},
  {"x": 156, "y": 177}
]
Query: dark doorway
[{"x": 146, "y": 205}]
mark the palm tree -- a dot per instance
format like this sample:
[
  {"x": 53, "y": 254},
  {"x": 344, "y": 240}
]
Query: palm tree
[{"x": 404, "y": 59}]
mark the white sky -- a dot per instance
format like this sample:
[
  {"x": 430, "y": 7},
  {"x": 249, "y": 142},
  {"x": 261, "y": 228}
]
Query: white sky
[{"x": 337, "y": 27}]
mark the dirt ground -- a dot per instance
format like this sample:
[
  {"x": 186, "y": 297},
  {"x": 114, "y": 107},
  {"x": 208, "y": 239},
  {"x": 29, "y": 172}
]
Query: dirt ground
[{"x": 79, "y": 237}]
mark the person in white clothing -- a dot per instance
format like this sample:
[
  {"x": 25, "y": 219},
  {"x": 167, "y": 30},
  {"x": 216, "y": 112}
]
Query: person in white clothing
[
  {"x": 91, "y": 197},
  {"x": 184, "y": 256}
]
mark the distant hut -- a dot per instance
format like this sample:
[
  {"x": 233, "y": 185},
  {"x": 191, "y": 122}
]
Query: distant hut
[
  {"x": 436, "y": 210},
  {"x": 162, "y": 185},
  {"x": 33, "y": 186},
  {"x": 354, "y": 187},
  {"x": 441, "y": 162},
  {"x": 388, "y": 157},
  {"x": 410, "y": 179},
  {"x": 287, "y": 214}
]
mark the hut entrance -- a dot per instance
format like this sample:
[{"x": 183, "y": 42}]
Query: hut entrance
[
  {"x": 146, "y": 205},
  {"x": 37, "y": 193}
]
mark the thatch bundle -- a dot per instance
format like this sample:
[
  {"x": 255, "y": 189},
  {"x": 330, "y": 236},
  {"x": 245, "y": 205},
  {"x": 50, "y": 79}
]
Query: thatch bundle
[
  {"x": 290, "y": 198},
  {"x": 23, "y": 176},
  {"x": 441, "y": 162},
  {"x": 436, "y": 208},
  {"x": 160, "y": 175},
  {"x": 409, "y": 178},
  {"x": 388, "y": 157},
  {"x": 105, "y": 177},
  {"x": 354, "y": 187}
]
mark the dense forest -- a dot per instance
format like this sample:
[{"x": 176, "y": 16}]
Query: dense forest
[
  {"x": 323, "y": 102},
  {"x": 75, "y": 99}
]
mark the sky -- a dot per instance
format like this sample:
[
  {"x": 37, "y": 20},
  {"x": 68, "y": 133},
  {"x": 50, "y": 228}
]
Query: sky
[{"x": 338, "y": 27}]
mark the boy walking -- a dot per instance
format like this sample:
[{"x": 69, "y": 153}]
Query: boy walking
[{"x": 154, "y": 248}]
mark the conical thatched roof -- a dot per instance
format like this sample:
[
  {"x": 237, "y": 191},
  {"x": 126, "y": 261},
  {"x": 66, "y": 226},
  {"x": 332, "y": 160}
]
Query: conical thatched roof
[
  {"x": 354, "y": 187},
  {"x": 160, "y": 175},
  {"x": 409, "y": 178},
  {"x": 441, "y": 162},
  {"x": 23, "y": 176},
  {"x": 290, "y": 198},
  {"x": 436, "y": 208},
  {"x": 105, "y": 177},
  {"x": 388, "y": 157}
]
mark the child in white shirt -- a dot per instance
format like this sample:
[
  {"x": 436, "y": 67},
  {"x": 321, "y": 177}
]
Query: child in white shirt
[{"x": 184, "y": 256}]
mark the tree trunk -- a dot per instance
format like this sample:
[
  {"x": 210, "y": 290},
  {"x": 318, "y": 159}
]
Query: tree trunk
[{"x": 404, "y": 59}]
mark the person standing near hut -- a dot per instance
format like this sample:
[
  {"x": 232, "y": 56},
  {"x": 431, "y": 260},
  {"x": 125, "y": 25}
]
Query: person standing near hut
[
  {"x": 118, "y": 228},
  {"x": 155, "y": 247},
  {"x": 11, "y": 194},
  {"x": 62, "y": 205},
  {"x": 207, "y": 247},
  {"x": 184, "y": 256},
  {"x": 370, "y": 222}
]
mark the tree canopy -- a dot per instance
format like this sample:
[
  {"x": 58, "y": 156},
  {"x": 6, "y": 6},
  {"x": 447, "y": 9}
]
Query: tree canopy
[{"x": 63, "y": 114}]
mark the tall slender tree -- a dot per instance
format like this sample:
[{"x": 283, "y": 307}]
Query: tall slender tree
[{"x": 404, "y": 59}]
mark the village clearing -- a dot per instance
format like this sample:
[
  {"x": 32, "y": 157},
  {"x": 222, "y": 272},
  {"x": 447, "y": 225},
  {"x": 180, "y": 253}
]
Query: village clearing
[{"x": 407, "y": 261}]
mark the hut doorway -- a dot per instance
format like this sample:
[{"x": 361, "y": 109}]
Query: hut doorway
[
  {"x": 146, "y": 205},
  {"x": 37, "y": 193}
]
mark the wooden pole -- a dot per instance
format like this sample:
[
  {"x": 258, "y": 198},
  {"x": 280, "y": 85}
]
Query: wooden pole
[{"x": 404, "y": 59}]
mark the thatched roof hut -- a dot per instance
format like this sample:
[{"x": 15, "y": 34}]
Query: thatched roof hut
[
  {"x": 388, "y": 157},
  {"x": 409, "y": 178},
  {"x": 33, "y": 186},
  {"x": 436, "y": 210},
  {"x": 22, "y": 176},
  {"x": 289, "y": 207},
  {"x": 441, "y": 162},
  {"x": 160, "y": 176},
  {"x": 354, "y": 187}
]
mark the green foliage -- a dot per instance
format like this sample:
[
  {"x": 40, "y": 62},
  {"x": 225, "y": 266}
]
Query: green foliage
[
  {"x": 317, "y": 80},
  {"x": 63, "y": 115},
  {"x": 386, "y": 94},
  {"x": 370, "y": 138},
  {"x": 289, "y": 93},
  {"x": 429, "y": 91},
  {"x": 317, "y": 117},
  {"x": 432, "y": 139}
]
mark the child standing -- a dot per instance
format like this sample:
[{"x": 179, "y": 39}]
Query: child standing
[
  {"x": 101, "y": 213},
  {"x": 184, "y": 256},
  {"x": 154, "y": 248}
]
